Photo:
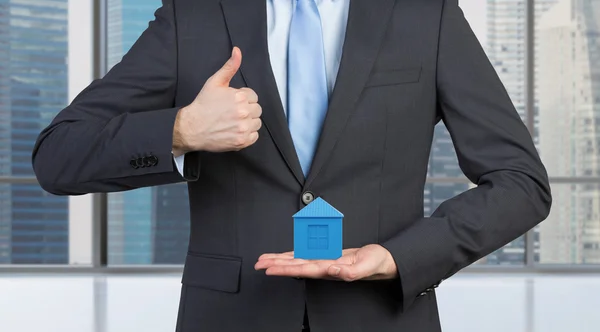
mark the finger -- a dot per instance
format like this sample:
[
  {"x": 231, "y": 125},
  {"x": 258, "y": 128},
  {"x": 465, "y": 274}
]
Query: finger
[
  {"x": 252, "y": 138},
  {"x": 251, "y": 96},
  {"x": 283, "y": 261},
  {"x": 255, "y": 124},
  {"x": 267, "y": 263},
  {"x": 347, "y": 257},
  {"x": 288, "y": 255},
  {"x": 255, "y": 111},
  {"x": 350, "y": 251},
  {"x": 224, "y": 75},
  {"x": 312, "y": 271}
]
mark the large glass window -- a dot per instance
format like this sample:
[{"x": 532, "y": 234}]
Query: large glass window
[
  {"x": 571, "y": 234},
  {"x": 34, "y": 225},
  {"x": 38, "y": 46},
  {"x": 568, "y": 106},
  {"x": 149, "y": 225}
]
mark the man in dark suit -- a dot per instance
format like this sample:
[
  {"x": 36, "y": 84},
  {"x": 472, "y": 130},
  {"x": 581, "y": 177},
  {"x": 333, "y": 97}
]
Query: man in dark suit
[{"x": 279, "y": 125}]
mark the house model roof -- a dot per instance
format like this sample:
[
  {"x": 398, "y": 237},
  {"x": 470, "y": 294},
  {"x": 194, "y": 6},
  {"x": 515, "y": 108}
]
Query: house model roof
[{"x": 319, "y": 208}]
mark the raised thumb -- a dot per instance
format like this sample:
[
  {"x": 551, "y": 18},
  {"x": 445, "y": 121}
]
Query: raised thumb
[{"x": 224, "y": 75}]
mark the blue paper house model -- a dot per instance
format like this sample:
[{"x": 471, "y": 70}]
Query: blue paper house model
[{"x": 318, "y": 231}]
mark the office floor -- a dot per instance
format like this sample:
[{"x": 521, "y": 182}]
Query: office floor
[{"x": 468, "y": 303}]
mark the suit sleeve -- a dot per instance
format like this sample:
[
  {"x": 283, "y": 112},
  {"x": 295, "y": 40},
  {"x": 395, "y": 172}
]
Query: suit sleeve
[
  {"x": 116, "y": 135},
  {"x": 495, "y": 151}
]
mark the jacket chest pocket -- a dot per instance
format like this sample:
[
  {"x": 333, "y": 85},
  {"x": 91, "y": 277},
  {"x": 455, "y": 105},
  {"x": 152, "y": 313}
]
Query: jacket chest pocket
[{"x": 387, "y": 77}]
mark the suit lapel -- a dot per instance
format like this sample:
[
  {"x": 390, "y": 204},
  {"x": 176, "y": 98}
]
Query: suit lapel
[
  {"x": 247, "y": 25},
  {"x": 367, "y": 22}
]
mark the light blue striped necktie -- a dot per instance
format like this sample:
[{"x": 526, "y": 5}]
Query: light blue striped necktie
[{"x": 307, "y": 81}]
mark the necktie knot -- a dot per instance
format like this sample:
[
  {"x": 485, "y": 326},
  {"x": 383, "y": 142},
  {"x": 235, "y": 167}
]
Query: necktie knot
[{"x": 311, "y": 3}]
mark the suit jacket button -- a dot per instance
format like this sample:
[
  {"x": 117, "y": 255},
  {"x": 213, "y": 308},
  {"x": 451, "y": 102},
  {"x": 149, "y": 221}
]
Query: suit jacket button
[
  {"x": 140, "y": 162},
  {"x": 152, "y": 160},
  {"x": 133, "y": 164},
  {"x": 308, "y": 197}
]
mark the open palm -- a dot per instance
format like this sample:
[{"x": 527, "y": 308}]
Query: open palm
[{"x": 371, "y": 262}]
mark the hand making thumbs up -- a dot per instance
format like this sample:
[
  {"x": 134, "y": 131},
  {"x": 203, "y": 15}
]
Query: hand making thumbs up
[{"x": 221, "y": 118}]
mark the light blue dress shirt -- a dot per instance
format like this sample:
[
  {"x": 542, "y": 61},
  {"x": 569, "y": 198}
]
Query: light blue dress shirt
[{"x": 334, "y": 18}]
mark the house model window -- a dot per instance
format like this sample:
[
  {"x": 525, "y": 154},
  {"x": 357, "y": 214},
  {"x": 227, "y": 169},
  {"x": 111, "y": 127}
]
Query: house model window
[
  {"x": 318, "y": 231},
  {"x": 318, "y": 237}
]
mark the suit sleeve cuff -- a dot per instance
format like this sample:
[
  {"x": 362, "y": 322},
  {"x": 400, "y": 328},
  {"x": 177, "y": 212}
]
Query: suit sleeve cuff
[
  {"x": 423, "y": 257},
  {"x": 179, "y": 162}
]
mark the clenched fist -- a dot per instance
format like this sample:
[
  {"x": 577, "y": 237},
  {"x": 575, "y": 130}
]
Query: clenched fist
[{"x": 221, "y": 118}]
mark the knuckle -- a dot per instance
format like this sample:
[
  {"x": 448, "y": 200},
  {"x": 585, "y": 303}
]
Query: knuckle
[
  {"x": 240, "y": 96},
  {"x": 248, "y": 90},
  {"x": 242, "y": 128},
  {"x": 239, "y": 142},
  {"x": 242, "y": 113}
]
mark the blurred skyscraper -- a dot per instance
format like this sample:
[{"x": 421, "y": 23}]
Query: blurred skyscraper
[
  {"x": 34, "y": 226},
  {"x": 506, "y": 47},
  {"x": 5, "y": 219},
  {"x": 149, "y": 225},
  {"x": 569, "y": 99}
]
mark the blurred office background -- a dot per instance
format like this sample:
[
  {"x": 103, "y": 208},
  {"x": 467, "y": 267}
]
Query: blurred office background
[{"x": 85, "y": 263}]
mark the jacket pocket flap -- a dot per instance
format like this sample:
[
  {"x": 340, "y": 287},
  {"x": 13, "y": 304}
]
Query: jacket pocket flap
[
  {"x": 394, "y": 76},
  {"x": 220, "y": 273}
]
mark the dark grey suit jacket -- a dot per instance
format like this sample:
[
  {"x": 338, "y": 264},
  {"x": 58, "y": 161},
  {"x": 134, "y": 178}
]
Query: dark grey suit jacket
[{"x": 406, "y": 65}]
